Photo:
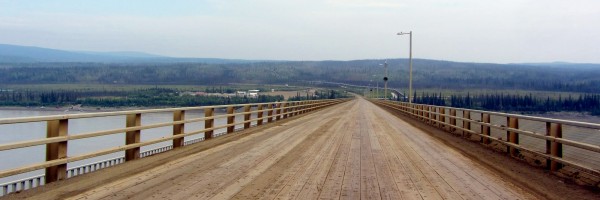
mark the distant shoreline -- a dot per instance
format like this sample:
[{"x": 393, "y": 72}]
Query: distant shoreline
[
  {"x": 83, "y": 109},
  {"x": 567, "y": 115},
  {"x": 573, "y": 116}
]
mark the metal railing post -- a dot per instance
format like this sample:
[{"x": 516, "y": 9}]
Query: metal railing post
[
  {"x": 178, "y": 129},
  {"x": 209, "y": 123},
  {"x": 57, "y": 150},
  {"x": 552, "y": 147},
  {"x": 132, "y": 137}
]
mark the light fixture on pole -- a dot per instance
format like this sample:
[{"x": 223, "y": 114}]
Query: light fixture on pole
[
  {"x": 377, "y": 93},
  {"x": 410, "y": 63},
  {"x": 371, "y": 88},
  {"x": 385, "y": 79}
]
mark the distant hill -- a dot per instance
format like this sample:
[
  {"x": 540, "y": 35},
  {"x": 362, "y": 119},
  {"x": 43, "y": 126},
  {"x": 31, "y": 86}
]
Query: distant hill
[
  {"x": 130, "y": 54},
  {"x": 34, "y": 65},
  {"x": 562, "y": 64},
  {"x": 14, "y": 53},
  {"x": 432, "y": 74},
  {"x": 29, "y": 54}
]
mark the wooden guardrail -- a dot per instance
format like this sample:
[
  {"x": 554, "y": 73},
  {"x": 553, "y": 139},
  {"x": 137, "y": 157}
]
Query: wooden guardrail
[
  {"x": 58, "y": 138},
  {"x": 561, "y": 142}
]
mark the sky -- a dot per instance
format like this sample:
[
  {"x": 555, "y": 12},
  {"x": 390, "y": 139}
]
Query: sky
[{"x": 507, "y": 31}]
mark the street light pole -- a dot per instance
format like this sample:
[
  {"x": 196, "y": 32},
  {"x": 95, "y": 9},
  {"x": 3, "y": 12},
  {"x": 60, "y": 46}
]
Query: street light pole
[
  {"x": 371, "y": 88},
  {"x": 410, "y": 63},
  {"x": 377, "y": 93},
  {"x": 385, "y": 78}
]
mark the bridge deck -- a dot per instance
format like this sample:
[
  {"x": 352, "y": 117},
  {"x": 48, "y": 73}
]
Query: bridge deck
[{"x": 348, "y": 151}]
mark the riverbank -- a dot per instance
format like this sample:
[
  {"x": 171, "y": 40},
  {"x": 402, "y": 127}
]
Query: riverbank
[
  {"x": 81, "y": 109},
  {"x": 573, "y": 116}
]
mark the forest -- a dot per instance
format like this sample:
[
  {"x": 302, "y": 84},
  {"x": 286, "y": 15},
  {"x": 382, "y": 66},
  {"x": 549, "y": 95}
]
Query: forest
[
  {"x": 441, "y": 75},
  {"x": 157, "y": 96},
  {"x": 108, "y": 98},
  {"x": 580, "y": 80},
  {"x": 515, "y": 103}
]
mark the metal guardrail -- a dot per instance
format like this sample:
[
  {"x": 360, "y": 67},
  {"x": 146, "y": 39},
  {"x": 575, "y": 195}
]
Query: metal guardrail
[
  {"x": 57, "y": 137},
  {"x": 563, "y": 142},
  {"x": 22, "y": 184}
]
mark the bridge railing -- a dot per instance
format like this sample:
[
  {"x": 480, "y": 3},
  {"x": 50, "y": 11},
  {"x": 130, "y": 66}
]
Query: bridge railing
[
  {"x": 57, "y": 136},
  {"x": 562, "y": 143}
]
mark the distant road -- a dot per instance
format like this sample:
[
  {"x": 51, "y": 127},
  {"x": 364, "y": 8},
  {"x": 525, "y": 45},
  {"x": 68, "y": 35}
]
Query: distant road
[{"x": 361, "y": 86}]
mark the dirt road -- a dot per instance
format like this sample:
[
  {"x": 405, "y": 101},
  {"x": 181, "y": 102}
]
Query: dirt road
[{"x": 353, "y": 150}]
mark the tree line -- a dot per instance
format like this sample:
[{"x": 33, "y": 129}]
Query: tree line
[
  {"x": 327, "y": 94},
  {"x": 105, "y": 98},
  {"x": 426, "y": 74},
  {"x": 515, "y": 103}
]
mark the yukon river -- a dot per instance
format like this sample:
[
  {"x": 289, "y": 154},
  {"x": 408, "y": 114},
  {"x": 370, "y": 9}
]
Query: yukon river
[{"x": 10, "y": 133}]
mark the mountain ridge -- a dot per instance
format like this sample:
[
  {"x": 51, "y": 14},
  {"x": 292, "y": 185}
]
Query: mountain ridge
[
  {"x": 10, "y": 53},
  {"x": 31, "y": 54}
]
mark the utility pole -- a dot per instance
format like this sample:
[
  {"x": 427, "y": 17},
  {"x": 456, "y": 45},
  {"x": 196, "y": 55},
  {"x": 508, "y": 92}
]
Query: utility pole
[
  {"x": 410, "y": 63},
  {"x": 385, "y": 79},
  {"x": 377, "y": 94}
]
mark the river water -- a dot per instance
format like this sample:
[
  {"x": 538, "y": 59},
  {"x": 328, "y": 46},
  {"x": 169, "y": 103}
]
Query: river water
[{"x": 15, "y": 158}]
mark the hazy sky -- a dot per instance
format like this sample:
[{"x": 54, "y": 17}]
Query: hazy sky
[{"x": 459, "y": 30}]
